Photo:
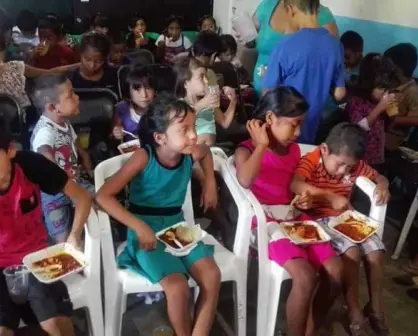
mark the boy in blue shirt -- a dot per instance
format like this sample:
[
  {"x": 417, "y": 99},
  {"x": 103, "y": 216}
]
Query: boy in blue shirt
[{"x": 311, "y": 60}]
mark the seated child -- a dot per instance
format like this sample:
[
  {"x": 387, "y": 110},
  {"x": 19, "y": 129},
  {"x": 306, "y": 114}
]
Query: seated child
[
  {"x": 117, "y": 55},
  {"x": 94, "y": 72},
  {"x": 207, "y": 24},
  {"x": 100, "y": 24},
  {"x": 294, "y": 57},
  {"x": 404, "y": 56},
  {"x": 25, "y": 33},
  {"x": 162, "y": 166},
  {"x": 229, "y": 55},
  {"x": 50, "y": 53},
  {"x": 23, "y": 176},
  {"x": 329, "y": 174},
  {"x": 128, "y": 114},
  {"x": 54, "y": 138},
  {"x": 266, "y": 164},
  {"x": 137, "y": 38},
  {"x": 172, "y": 42},
  {"x": 372, "y": 98},
  {"x": 192, "y": 85},
  {"x": 353, "y": 54}
]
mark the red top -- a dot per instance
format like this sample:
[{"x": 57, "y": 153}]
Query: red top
[
  {"x": 59, "y": 56},
  {"x": 22, "y": 230}
]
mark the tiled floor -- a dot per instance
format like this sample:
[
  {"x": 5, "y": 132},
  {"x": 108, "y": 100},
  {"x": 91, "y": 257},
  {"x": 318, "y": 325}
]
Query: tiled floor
[{"x": 401, "y": 312}]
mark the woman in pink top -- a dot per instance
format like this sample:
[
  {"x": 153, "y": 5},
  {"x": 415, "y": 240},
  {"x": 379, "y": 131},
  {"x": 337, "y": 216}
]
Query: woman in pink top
[{"x": 265, "y": 164}]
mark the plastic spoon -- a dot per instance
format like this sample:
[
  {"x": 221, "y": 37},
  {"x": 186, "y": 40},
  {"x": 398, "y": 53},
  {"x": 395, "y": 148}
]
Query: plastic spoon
[{"x": 129, "y": 133}]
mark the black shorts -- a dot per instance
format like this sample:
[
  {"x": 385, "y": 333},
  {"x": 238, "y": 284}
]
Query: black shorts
[{"x": 44, "y": 302}]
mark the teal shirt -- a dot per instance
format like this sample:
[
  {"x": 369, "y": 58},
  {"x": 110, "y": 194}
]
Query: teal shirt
[
  {"x": 205, "y": 122},
  {"x": 268, "y": 38}
]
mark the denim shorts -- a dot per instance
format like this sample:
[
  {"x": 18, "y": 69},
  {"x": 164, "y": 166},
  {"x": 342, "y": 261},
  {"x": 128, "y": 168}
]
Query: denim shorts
[{"x": 57, "y": 211}]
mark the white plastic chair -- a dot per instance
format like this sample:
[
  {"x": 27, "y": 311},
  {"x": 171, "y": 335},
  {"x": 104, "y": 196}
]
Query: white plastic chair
[
  {"x": 119, "y": 282},
  {"x": 85, "y": 289},
  {"x": 270, "y": 274}
]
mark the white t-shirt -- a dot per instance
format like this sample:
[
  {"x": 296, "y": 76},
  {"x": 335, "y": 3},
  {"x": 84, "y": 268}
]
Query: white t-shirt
[
  {"x": 182, "y": 41},
  {"x": 61, "y": 138}
]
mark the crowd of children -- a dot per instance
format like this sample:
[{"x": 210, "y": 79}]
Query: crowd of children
[{"x": 49, "y": 191}]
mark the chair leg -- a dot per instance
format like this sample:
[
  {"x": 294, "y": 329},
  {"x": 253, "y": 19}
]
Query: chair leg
[
  {"x": 240, "y": 301},
  {"x": 272, "y": 305},
  {"x": 114, "y": 314},
  {"x": 95, "y": 320}
]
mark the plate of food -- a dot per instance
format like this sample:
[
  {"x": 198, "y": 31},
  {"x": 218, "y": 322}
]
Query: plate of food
[
  {"x": 180, "y": 237},
  {"x": 55, "y": 262},
  {"x": 130, "y": 146},
  {"x": 354, "y": 226},
  {"x": 304, "y": 232}
]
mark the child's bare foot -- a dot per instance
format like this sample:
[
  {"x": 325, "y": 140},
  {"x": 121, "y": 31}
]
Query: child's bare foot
[{"x": 361, "y": 328}]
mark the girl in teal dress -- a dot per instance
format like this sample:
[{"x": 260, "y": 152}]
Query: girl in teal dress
[
  {"x": 158, "y": 176},
  {"x": 265, "y": 17}
]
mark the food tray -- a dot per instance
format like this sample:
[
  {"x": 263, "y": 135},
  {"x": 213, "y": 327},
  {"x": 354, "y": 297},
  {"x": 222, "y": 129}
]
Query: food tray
[
  {"x": 300, "y": 241},
  {"x": 357, "y": 215},
  {"x": 52, "y": 251},
  {"x": 129, "y": 146},
  {"x": 197, "y": 235}
]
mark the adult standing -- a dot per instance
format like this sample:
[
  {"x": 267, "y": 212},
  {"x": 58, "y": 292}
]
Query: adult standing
[{"x": 271, "y": 22}]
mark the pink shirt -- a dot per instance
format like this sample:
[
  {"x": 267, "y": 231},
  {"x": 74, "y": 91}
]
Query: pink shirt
[
  {"x": 358, "y": 109},
  {"x": 271, "y": 187}
]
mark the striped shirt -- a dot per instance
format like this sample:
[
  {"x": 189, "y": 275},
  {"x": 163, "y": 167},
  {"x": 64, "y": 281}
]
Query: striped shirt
[{"x": 313, "y": 171}]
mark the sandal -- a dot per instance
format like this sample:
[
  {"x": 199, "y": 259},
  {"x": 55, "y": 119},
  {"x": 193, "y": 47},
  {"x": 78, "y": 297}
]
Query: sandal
[
  {"x": 409, "y": 269},
  {"x": 360, "y": 329},
  {"x": 377, "y": 321}
]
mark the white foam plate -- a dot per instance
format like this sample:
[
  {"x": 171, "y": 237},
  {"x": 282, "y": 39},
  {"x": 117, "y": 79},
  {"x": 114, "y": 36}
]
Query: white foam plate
[
  {"x": 198, "y": 235},
  {"x": 357, "y": 215},
  {"x": 132, "y": 143},
  {"x": 52, "y": 251},
  {"x": 300, "y": 241}
]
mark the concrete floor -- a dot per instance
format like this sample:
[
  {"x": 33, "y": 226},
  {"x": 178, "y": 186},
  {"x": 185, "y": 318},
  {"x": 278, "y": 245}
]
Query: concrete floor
[{"x": 401, "y": 311}]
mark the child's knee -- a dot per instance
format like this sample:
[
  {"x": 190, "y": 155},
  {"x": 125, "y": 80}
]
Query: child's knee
[
  {"x": 352, "y": 255},
  {"x": 212, "y": 277},
  {"x": 176, "y": 285},
  {"x": 55, "y": 325},
  {"x": 334, "y": 268},
  {"x": 305, "y": 280},
  {"x": 375, "y": 259}
]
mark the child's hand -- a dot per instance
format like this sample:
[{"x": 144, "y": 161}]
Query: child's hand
[
  {"x": 339, "y": 202},
  {"x": 382, "y": 194},
  {"x": 209, "y": 197},
  {"x": 161, "y": 44},
  {"x": 304, "y": 202},
  {"x": 210, "y": 100},
  {"x": 258, "y": 132},
  {"x": 75, "y": 241},
  {"x": 387, "y": 101},
  {"x": 230, "y": 93},
  {"x": 118, "y": 132},
  {"x": 146, "y": 238}
]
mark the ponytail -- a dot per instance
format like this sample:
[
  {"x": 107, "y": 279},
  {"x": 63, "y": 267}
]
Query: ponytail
[{"x": 145, "y": 131}]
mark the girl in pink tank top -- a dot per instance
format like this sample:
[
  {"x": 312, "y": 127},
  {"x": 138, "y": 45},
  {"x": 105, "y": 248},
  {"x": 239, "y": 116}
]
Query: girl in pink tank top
[{"x": 265, "y": 164}]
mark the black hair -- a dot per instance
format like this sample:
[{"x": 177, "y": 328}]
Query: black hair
[
  {"x": 27, "y": 21},
  {"x": 5, "y": 135},
  {"x": 206, "y": 44},
  {"x": 306, "y": 6},
  {"x": 405, "y": 57},
  {"x": 160, "y": 115},
  {"x": 142, "y": 77},
  {"x": 183, "y": 70},
  {"x": 173, "y": 18},
  {"x": 46, "y": 89},
  {"x": 52, "y": 23},
  {"x": 6, "y": 23},
  {"x": 348, "y": 139},
  {"x": 353, "y": 41},
  {"x": 100, "y": 21},
  {"x": 283, "y": 101},
  {"x": 375, "y": 72},
  {"x": 135, "y": 19},
  {"x": 206, "y": 17},
  {"x": 95, "y": 40},
  {"x": 229, "y": 43}
]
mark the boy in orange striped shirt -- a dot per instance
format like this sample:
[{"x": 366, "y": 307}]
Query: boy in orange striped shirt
[{"x": 329, "y": 174}]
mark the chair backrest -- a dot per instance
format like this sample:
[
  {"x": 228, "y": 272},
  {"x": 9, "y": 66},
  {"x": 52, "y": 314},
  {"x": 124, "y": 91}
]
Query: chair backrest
[
  {"x": 141, "y": 57},
  {"x": 166, "y": 78},
  {"x": 108, "y": 168},
  {"x": 230, "y": 75},
  {"x": 123, "y": 73},
  {"x": 92, "y": 247},
  {"x": 12, "y": 114}
]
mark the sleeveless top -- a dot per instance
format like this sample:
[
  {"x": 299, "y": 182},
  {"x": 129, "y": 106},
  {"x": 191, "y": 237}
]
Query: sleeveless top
[
  {"x": 268, "y": 38},
  {"x": 158, "y": 187},
  {"x": 272, "y": 185}
]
